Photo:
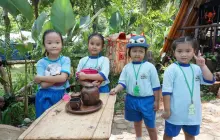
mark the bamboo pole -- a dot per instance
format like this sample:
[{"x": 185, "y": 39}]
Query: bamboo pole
[{"x": 13, "y": 62}]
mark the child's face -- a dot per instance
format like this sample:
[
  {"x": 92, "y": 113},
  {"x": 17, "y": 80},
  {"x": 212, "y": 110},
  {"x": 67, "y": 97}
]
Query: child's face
[
  {"x": 137, "y": 53},
  {"x": 184, "y": 53},
  {"x": 53, "y": 43},
  {"x": 95, "y": 45}
]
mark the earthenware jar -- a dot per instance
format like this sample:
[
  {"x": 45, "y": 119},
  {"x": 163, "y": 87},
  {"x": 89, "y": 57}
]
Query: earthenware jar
[
  {"x": 75, "y": 103},
  {"x": 75, "y": 95},
  {"x": 90, "y": 94}
]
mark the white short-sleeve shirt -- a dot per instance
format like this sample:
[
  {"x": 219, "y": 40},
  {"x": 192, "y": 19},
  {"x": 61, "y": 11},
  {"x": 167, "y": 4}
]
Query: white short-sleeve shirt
[
  {"x": 174, "y": 85},
  {"x": 101, "y": 64},
  {"x": 147, "y": 79}
]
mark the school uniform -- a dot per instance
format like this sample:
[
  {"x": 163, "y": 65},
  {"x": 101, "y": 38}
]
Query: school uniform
[
  {"x": 47, "y": 97},
  {"x": 99, "y": 63},
  {"x": 174, "y": 84},
  {"x": 140, "y": 106}
]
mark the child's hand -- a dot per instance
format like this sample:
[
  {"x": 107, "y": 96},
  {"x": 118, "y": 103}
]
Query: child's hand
[
  {"x": 199, "y": 59},
  {"x": 96, "y": 83},
  {"x": 156, "y": 106},
  {"x": 37, "y": 79},
  {"x": 113, "y": 91},
  {"x": 166, "y": 115},
  {"x": 82, "y": 76}
]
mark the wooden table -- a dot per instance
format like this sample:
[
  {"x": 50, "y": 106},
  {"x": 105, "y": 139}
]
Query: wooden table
[{"x": 56, "y": 123}]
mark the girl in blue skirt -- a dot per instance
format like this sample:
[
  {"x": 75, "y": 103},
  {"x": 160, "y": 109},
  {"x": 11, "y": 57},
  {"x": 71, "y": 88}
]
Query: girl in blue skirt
[{"x": 52, "y": 72}]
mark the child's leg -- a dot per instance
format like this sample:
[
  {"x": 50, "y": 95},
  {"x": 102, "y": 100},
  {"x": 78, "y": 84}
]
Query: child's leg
[
  {"x": 165, "y": 137},
  {"x": 190, "y": 131},
  {"x": 188, "y": 136},
  {"x": 133, "y": 114},
  {"x": 171, "y": 131},
  {"x": 152, "y": 133},
  {"x": 149, "y": 115},
  {"x": 138, "y": 128}
]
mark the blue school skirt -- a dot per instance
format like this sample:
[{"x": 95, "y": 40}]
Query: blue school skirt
[
  {"x": 45, "y": 98},
  {"x": 104, "y": 89}
]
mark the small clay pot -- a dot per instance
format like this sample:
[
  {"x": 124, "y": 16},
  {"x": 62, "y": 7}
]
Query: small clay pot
[
  {"x": 75, "y": 95},
  {"x": 75, "y": 103}
]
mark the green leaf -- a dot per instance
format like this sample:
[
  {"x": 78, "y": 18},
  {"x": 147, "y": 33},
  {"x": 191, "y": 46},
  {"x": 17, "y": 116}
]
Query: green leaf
[
  {"x": 24, "y": 48},
  {"x": 62, "y": 16},
  {"x": 132, "y": 19},
  {"x": 10, "y": 7},
  {"x": 37, "y": 26},
  {"x": 24, "y": 7},
  {"x": 93, "y": 18},
  {"x": 47, "y": 25},
  {"x": 115, "y": 20},
  {"x": 84, "y": 21},
  {"x": 2, "y": 50}
]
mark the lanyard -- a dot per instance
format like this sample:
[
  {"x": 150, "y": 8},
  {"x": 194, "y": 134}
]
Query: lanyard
[
  {"x": 88, "y": 60},
  {"x": 136, "y": 74},
  {"x": 191, "y": 91}
]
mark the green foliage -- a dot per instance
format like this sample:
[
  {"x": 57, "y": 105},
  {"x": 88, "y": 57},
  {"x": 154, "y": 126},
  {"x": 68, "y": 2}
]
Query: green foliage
[
  {"x": 116, "y": 20},
  {"x": 7, "y": 4},
  {"x": 24, "y": 7},
  {"x": 37, "y": 26},
  {"x": 62, "y": 16},
  {"x": 208, "y": 97},
  {"x": 14, "y": 114},
  {"x": 210, "y": 56}
]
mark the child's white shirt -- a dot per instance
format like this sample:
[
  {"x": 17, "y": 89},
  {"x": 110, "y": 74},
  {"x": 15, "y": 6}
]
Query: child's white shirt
[
  {"x": 147, "y": 80},
  {"x": 174, "y": 85},
  {"x": 101, "y": 64}
]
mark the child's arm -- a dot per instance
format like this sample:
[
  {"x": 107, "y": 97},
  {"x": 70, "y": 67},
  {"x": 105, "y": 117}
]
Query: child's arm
[
  {"x": 117, "y": 89},
  {"x": 156, "y": 100},
  {"x": 155, "y": 83},
  {"x": 83, "y": 76},
  {"x": 205, "y": 70},
  {"x": 46, "y": 84},
  {"x": 167, "y": 90},
  {"x": 101, "y": 76},
  {"x": 52, "y": 79},
  {"x": 166, "y": 103}
]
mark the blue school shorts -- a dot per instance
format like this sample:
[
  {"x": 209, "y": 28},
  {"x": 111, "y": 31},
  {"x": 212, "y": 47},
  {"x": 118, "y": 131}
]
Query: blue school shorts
[
  {"x": 104, "y": 89},
  {"x": 138, "y": 108},
  {"x": 45, "y": 98},
  {"x": 172, "y": 130}
]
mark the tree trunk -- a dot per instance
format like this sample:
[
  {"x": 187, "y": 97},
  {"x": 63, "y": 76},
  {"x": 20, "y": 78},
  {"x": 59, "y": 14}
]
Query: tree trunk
[
  {"x": 95, "y": 4},
  {"x": 7, "y": 89},
  {"x": 35, "y": 4}
]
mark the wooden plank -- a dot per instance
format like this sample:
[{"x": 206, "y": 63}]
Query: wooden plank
[
  {"x": 56, "y": 123},
  {"x": 105, "y": 123},
  {"x": 31, "y": 127}
]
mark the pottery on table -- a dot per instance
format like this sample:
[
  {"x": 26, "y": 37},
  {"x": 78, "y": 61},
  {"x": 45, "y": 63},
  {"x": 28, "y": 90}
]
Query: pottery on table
[
  {"x": 75, "y": 95},
  {"x": 75, "y": 103},
  {"x": 90, "y": 94}
]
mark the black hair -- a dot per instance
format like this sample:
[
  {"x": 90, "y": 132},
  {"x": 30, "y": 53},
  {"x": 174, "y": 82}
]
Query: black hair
[
  {"x": 99, "y": 35},
  {"x": 185, "y": 39},
  {"x": 47, "y": 32}
]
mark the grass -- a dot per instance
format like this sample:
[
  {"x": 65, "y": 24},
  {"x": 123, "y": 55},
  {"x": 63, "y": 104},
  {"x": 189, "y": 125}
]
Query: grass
[
  {"x": 17, "y": 72},
  {"x": 208, "y": 98}
]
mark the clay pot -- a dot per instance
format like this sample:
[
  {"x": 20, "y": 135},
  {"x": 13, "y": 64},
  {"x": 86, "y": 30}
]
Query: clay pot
[
  {"x": 90, "y": 94},
  {"x": 75, "y": 95},
  {"x": 75, "y": 103}
]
